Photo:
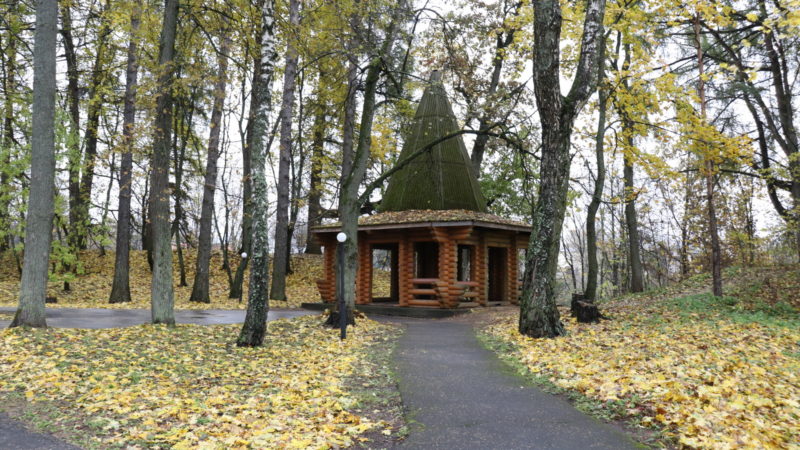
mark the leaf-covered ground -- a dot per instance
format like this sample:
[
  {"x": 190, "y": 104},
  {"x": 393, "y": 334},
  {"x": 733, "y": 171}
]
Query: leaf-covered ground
[
  {"x": 188, "y": 386},
  {"x": 92, "y": 287},
  {"x": 710, "y": 373}
]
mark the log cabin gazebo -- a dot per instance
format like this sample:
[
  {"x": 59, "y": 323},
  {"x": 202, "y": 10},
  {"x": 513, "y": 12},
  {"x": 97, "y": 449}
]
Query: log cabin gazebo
[{"x": 441, "y": 247}]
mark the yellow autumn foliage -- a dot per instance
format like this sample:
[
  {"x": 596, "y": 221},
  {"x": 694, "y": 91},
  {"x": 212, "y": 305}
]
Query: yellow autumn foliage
[
  {"x": 92, "y": 288},
  {"x": 711, "y": 381},
  {"x": 190, "y": 387}
]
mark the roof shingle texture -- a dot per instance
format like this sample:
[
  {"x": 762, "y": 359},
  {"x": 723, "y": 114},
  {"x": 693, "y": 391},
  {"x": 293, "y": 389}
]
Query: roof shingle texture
[{"x": 441, "y": 178}]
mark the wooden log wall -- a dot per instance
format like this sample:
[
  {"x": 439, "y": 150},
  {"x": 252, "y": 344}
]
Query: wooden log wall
[
  {"x": 405, "y": 271},
  {"x": 327, "y": 285},
  {"x": 481, "y": 274},
  {"x": 512, "y": 284},
  {"x": 448, "y": 265},
  {"x": 364, "y": 273}
]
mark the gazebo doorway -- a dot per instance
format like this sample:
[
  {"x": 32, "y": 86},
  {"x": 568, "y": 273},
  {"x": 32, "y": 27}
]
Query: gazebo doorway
[
  {"x": 385, "y": 273},
  {"x": 498, "y": 274}
]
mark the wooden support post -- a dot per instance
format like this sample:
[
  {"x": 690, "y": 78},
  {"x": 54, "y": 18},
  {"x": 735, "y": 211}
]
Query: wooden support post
[
  {"x": 481, "y": 276},
  {"x": 364, "y": 273},
  {"x": 513, "y": 283},
  {"x": 329, "y": 285},
  {"x": 404, "y": 269},
  {"x": 447, "y": 268}
]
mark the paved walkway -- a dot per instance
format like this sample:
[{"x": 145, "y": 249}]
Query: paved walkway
[
  {"x": 116, "y": 318},
  {"x": 14, "y": 436},
  {"x": 458, "y": 395}
]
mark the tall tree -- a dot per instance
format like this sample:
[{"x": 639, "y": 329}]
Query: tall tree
[
  {"x": 590, "y": 293},
  {"x": 282, "y": 244},
  {"x": 319, "y": 129},
  {"x": 539, "y": 316},
  {"x": 255, "y": 322},
  {"x": 9, "y": 62},
  {"x": 161, "y": 290},
  {"x": 120, "y": 288},
  {"x": 201, "y": 273},
  {"x": 41, "y": 202},
  {"x": 716, "y": 251}
]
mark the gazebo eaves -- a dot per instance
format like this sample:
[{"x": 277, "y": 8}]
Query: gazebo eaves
[{"x": 336, "y": 227}]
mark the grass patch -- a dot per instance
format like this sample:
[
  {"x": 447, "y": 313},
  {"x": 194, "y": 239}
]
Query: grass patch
[{"x": 156, "y": 386}]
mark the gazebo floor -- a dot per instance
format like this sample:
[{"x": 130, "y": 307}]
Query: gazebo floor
[{"x": 393, "y": 309}]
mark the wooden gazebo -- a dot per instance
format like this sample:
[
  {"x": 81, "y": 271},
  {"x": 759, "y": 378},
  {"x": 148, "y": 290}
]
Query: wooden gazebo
[{"x": 443, "y": 250}]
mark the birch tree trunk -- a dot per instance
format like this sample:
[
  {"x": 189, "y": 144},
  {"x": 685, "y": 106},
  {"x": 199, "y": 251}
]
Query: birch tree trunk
[
  {"x": 201, "y": 273},
  {"x": 539, "y": 316},
  {"x": 161, "y": 290},
  {"x": 120, "y": 288},
  {"x": 41, "y": 203},
  {"x": 255, "y": 322},
  {"x": 282, "y": 244}
]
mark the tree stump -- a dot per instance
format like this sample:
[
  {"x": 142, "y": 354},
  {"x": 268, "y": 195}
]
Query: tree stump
[
  {"x": 574, "y": 304},
  {"x": 586, "y": 312}
]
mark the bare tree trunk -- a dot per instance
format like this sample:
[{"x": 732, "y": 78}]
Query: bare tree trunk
[
  {"x": 349, "y": 207},
  {"x": 120, "y": 288},
  {"x": 247, "y": 185},
  {"x": 201, "y": 273},
  {"x": 41, "y": 203},
  {"x": 9, "y": 94},
  {"x": 315, "y": 183},
  {"x": 632, "y": 224},
  {"x": 539, "y": 316},
  {"x": 716, "y": 253},
  {"x": 590, "y": 293},
  {"x": 73, "y": 109},
  {"x": 94, "y": 109},
  {"x": 161, "y": 290},
  {"x": 502, "y": 43},
  {"x": 278, "y": 289},
  {"x": 255, "y": 322}
]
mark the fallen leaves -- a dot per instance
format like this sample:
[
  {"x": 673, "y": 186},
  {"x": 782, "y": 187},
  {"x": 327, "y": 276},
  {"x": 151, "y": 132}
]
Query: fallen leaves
[
  {"x": 92, "y": 288},
  {"x": 712, "y": 381},
  {"x": 189, "y": 387}
]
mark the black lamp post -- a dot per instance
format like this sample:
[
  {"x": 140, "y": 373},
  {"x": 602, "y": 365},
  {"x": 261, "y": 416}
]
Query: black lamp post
[{"x": 341, "y": 238}]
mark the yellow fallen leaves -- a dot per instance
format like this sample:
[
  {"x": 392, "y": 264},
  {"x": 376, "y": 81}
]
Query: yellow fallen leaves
[
  {"x": 713, "y": 382},
  {"x": 92, "y": 288},
  {"x": 189, "y": 386}
]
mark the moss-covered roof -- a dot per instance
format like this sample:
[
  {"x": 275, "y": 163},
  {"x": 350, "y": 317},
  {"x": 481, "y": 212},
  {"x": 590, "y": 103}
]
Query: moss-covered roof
[
  {"x": 427, "y": 217},
  {"x": 442, "y": 178}
]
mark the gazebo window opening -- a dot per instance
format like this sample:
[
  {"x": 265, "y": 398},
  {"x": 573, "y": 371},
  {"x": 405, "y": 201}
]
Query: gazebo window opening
[
  {"x": 465, "y": 265},
  {"x": 384, "y": 273}
]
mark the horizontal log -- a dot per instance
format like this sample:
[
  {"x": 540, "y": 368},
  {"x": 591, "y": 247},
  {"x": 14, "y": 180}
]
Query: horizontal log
[
  {"x": 471, "y": 294},
  {"x": 467, "y": 283},
  {"x": 468, "y": 304},
  {"x": 424, "y": 280},
  {"x": 419, "y": 302},
  {"x": 423, "y": 292}
]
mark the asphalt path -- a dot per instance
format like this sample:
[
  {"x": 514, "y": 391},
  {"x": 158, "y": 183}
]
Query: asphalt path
[{"x": 459, "y": 395}]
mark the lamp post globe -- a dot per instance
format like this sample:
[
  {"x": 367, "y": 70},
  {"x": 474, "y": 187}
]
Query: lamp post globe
[{"x": 341, "y": 237}]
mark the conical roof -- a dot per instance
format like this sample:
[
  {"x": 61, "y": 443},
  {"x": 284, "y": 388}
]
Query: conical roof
[{"x": 441, "y": 178}]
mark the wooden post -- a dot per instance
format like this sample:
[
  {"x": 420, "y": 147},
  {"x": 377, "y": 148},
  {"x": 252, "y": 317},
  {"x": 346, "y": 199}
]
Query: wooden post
[
  {"x": 481, "y": 269},
  {"x": 330, "y": 274},
  {"x": 364, "y": 273},
  {"x": 513, "y": 284},
  {"x": 447, "y": 268},
  {"x": 404, "y": 269}
]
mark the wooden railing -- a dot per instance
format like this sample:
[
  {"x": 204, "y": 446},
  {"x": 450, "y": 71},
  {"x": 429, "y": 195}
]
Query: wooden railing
[{"x": 437, "y": 293}]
